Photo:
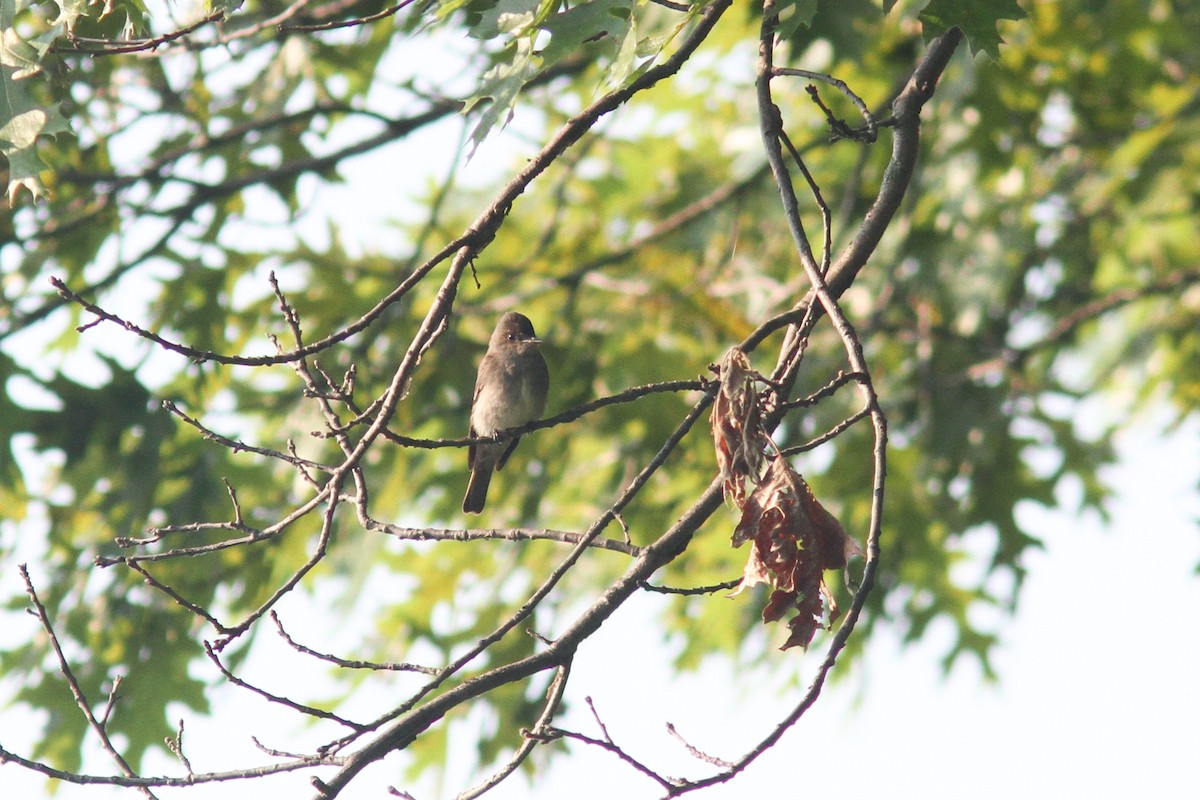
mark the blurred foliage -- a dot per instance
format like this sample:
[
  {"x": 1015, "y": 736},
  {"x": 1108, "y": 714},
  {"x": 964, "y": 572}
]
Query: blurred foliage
[{"x": 1046, "y": 252}]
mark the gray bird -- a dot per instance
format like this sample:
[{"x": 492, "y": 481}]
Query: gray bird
[{"x": 509, "y": 392}]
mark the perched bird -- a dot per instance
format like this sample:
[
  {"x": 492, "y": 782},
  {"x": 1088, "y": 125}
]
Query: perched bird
[{"x": 509, "y": 392}]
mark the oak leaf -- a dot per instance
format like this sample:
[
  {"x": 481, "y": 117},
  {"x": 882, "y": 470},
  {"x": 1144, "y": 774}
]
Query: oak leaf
[{"x": 793, "y": 541}]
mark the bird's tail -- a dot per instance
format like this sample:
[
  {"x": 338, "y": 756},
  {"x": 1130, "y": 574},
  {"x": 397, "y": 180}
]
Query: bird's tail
[{"x": 477, "y": 487}]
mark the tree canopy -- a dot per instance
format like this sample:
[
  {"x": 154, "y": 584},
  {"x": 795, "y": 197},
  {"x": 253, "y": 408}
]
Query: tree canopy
[{"x": 888, "y": 246}]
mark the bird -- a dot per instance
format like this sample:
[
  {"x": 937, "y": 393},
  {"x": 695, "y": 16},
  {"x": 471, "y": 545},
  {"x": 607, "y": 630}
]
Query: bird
[{"x": 510, "y": 391}]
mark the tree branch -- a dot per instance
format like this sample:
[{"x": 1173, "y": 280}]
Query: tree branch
[
  {"x": 270, "y": 697},
  {"x": 826, "y": 293},
  {"x": 389, "y": 666},
  {"x": 504, "y": 534},
  {"x": 108, "y": 47},
  {"x": 906, "y": 109},
  {"x": 533, "y": 736},
  {"x": 191, "y": 779},
  {"x": 80, "y": 700}
]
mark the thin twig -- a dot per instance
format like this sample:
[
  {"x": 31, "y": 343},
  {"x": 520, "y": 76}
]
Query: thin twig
[
  {"x": 84, "y": 779},
  {"x": 174, "y": 595},
  {"x": 175, "y": 744},
  {"x": 393, "y": 666},
  {"x": 311, "y": 711},
  {"x": 569, "y": 415},
  {"x": 273, "y": 21},
  {"x": 273, "y": 752},
  {"x": 696, "y": 752},
  {"x": 350, "y": 23},
  {"x": 599, "y": 722},
  {"x": 829, "y": 435},
  {"x": 724, "y": 586},
  {"x": 252, "y": 537},
  {"x": 238, "y": 446},
  {"x": 114, "y": 694},
  {"x": 560, "y": 733},
  {"x": 502, "y": 534},
  {"x": 107, "y": 47},
  {"x": 838, "y": 381},
  {"x": 65, "y": 668},
  {"x": 840, "y": 129},
  {"x": 533, "y": 736}
]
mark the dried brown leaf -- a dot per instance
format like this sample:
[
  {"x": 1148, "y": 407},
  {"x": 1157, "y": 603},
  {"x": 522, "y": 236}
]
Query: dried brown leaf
[
  {"x": 738, "y": 434},
  {"x": 829, "y": 537},
  {"x": 793, "y": 541}
]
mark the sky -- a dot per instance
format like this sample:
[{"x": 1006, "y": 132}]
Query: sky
[{"x": 1096, "y": 697}]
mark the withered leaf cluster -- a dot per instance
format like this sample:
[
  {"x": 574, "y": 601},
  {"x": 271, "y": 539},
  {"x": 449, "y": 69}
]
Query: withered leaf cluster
[
  {"x": 738, "y": 432},
  {"x": 793, "y": 538}
]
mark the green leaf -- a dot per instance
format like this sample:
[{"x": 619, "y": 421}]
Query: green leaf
[
  {"x": 599, "y": 24},
  {"x": 226, "y": 6},
  {"x": 513, "y": 18},
  {"x": 502, "y": 84},
  {"x": 69, "y": 12},
  {"x": 794, "y": 15},
  {"x": 978, "y": 21},
  {"x": 22, "y": 118}
]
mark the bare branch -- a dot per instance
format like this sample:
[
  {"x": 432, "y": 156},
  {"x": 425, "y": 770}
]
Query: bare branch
[
  {"x": 724, "y": 586},
  {"x": 108, "y": 47},
  {"x": 533, "y": 736},
  {"x": 829, "y": 435},
  {"x": 840, "y": 129},
  {"x": 175, "y": 744},
  {"x": 80, "y": 700},
  {"x": 234, "y": 632},
  {"x": 503, "y": 534},
  {"x": 169, "y": 592},
  {"x": 697, "y": 752},
  {"x": 603, "y": 744},
  {"x": 241, "y": 447},
  {"x": 319, "y": 713},
  {"x": 349, "y": 23},
  {"x": 81, "y": 779},
  {"x": 570, "y": 415},
  {"x": 348, "y": 664}
]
